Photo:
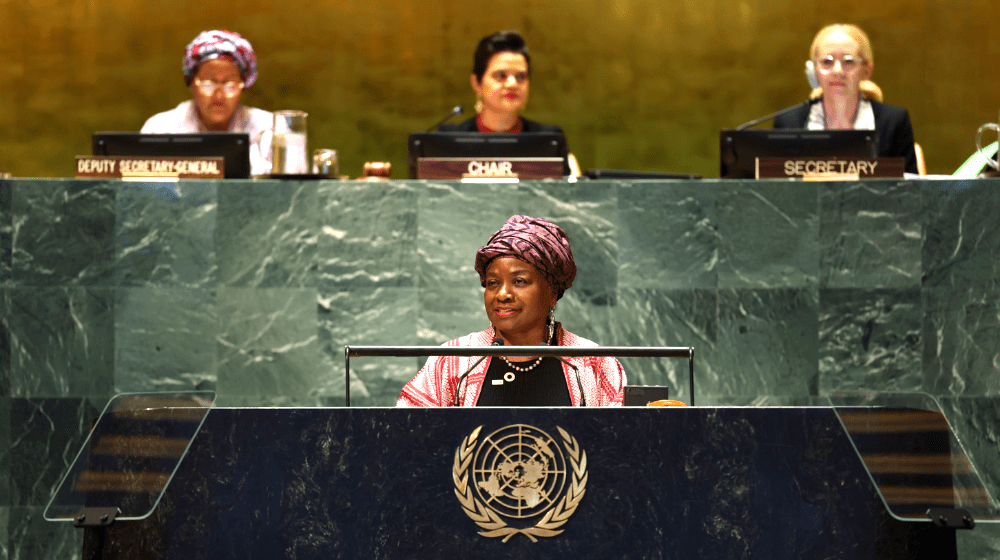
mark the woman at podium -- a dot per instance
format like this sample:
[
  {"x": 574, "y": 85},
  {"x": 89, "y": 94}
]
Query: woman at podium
[
  {"x": 218, "y": 66},
  {"x": 840, "y": 67},
  {"x": 524, "y": 268},
  {"x": 501, "y": 72}
]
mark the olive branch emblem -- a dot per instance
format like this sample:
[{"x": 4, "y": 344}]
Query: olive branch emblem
[{"x": 491, "y": 523}]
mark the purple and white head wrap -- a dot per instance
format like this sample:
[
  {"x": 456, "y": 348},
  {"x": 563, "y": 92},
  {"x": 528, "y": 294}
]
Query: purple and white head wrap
[
  {"x": 219, "y": 43},
  {"x": 535, "y": 241}
]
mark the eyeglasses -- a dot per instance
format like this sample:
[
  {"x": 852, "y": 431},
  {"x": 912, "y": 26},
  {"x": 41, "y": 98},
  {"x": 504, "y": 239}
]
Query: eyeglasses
[
  {"x": 208, "y": 87},
  {"x": 847, "y": 62}
]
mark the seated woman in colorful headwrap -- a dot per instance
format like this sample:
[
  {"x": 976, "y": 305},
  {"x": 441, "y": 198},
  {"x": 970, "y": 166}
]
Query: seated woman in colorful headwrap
[
  {"x": 501, "y": 71},
  {"x": 525, "y": 268},
  {"x": 218, "y": 66}
]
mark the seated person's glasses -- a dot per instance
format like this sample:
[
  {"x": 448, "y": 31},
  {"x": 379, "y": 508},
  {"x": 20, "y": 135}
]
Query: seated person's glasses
[
  {"x": 208, "y": 87},
  {"x": 847, "y": 62}
]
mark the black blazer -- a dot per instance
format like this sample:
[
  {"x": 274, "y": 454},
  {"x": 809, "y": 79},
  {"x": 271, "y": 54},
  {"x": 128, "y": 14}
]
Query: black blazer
[
  {"x": 892, "y": 124},
  {"x": 469, "y": 125}
]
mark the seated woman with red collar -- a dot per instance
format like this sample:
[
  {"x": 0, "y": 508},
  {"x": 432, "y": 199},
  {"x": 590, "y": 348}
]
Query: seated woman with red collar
[{"x": 501, "y": 72}]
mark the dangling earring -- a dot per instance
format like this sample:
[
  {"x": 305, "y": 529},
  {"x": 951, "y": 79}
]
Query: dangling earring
[
  {"x": 552, "y": 324},
  {"x": 479, "y": 104}
]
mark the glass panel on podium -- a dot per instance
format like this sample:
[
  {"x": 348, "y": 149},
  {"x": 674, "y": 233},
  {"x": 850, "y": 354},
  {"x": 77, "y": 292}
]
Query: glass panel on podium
[
  {"x": 130, "y": 456},
  {"x": 916, "y": 462}
]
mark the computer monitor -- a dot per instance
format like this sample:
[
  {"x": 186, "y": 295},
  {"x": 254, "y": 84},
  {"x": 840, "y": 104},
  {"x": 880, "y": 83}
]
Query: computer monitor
[
  {"x": 642, "y": 395},
  {"x": 233, "y": 147},
  {"x": 478, "y": 145},
  {"x": 739, "y": 149}
]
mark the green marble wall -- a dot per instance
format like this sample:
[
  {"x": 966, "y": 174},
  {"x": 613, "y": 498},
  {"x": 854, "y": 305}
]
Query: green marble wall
[
  {"x": 786, "y": 290},
  {"x": 637, "y": 84}
]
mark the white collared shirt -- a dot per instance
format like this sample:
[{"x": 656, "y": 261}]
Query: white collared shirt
[
  {"x": 865, "y": 119},
  {"x": 184, "y": 119}
]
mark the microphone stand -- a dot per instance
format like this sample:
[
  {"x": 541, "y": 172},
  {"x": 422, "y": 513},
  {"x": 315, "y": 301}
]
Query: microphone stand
[
  {"x": 455, "y": 111},
  {"x": 576, "y": 372},
  {"x": 685, "y": 352},
  {"x": 496, "y": 342},
  {"x": 773, "y": 115}
]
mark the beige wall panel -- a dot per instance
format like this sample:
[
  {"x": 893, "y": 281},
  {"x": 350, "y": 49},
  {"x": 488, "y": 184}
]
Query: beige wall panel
[{"x": 637, "y": 84}]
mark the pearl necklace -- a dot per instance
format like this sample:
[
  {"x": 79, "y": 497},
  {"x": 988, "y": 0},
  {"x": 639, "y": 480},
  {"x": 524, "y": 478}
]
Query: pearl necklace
[
  {"x": 522, "y": 369},
  {"x": 509, "y": 376}
]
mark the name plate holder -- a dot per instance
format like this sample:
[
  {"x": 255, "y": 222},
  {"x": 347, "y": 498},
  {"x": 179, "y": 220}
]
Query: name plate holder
[
  {"x": 829, "y": 168},
  {"x": 142, "y": 168},
  {"x": 490, "y": 170}
]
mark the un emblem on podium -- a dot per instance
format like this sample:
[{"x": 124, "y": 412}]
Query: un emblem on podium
[{"x": 518, "y": 473}]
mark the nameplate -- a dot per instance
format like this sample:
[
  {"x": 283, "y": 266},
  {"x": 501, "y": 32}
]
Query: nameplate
[
  {"x": 829, "y": 169},
  {"x": 140, "y": 168},
  {"x": 488, "y": 170}
]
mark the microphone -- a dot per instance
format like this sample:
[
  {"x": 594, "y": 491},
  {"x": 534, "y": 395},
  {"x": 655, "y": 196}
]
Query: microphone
[
  {"x": 576, "y": 373},
  {"x": 496, "y": 342},
  {"x": 455, "y": 111},
  {"x": 775, "y": 114}
]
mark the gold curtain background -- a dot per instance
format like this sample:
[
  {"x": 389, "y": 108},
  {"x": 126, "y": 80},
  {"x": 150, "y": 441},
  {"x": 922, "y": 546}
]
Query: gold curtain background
[{"x": 636, "y": 84}]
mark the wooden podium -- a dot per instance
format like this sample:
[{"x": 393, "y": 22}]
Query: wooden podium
[{"x": 632, "y": 483}]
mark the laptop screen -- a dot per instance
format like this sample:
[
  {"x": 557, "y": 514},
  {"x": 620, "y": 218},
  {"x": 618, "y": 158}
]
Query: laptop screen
[
  {"x": 739, "y": 149},
  {"x": 233, "y": 147},
  {"x": 477, "y": 145},
  {"x": 641, "y": 395}
]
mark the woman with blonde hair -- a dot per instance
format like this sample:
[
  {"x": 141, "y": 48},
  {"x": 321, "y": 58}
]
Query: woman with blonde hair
[{"x": 846, "y": 98}]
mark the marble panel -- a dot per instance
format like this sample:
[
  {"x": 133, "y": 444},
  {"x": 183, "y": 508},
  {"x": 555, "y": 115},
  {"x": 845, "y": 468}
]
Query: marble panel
[
  {"x": 764, "y": 400},
  {"x": 962, "y": 234},
  {"x": 652, "y": 317},
  {"x": 4, "y": 523},
  {"x": 266, "y": 234},
  {"x": 961, "y": 340},
  {"x": 975, "y": 421},
  {"x": 63, "y": 234},
  {"x": 165, "y": 339},
  {"x": 166, "y": 235},
  {"x": 282, "y": 401},
  {"x": 588, "y": 213},
  {"x": 449, "y": 234},
  {"x": 31, "y": 536},
  {"x": 767, "y": 344},
  {"x": 982, "y": 543},
  {"x": 870, "y": 234},
  {"x": 267, "y": 343},
  {"x": 46, "y": 435},
  {"x": 383, "y": 316},
  {"x": 6, "y": 230},
  {"x": 768, "y": 234},
  {"x": 668, "y": 236},
  {"x": 5, "y": 456},
  {"x": 6, "y": 374},
  {"x": 62, "y": 341},
  {"x": 870, "y": 340},
  {"x": 368, "y": 234}
]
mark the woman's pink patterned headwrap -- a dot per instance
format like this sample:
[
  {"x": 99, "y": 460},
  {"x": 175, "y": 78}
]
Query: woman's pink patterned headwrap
[
  {"x": 535, "y": 241},
  {"x": 220, "y": 43}
]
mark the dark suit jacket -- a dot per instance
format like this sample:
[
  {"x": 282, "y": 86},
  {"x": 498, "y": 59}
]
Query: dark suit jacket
[
  {"x": 469, "y": 125},
  {"x": 892, "y": 124}
]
